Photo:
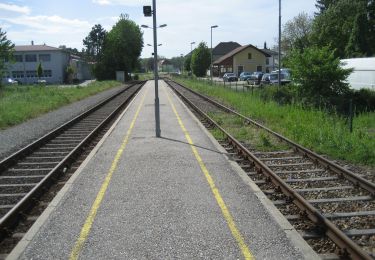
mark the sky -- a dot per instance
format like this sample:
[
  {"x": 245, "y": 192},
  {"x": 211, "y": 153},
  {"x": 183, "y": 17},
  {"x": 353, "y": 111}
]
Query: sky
[{"x": 68, "y": 22}]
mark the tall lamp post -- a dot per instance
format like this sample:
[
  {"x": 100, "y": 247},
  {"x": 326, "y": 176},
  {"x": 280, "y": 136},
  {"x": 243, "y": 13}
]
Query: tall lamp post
[
  {"x": 279, "y": 73},
  {"x": 191, "y": 47},
  {"x": 213, "y": 26},
  {"x": 156, "y": 78}
]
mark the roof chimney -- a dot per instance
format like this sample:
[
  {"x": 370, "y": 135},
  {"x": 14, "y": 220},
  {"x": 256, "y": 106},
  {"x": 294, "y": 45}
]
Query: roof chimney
[
  {"x": 265, "y": 45},
  {"x": 32, "y": 42}
]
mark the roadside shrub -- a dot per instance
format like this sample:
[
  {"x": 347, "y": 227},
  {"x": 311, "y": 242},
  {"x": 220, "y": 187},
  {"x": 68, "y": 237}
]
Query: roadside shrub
[
  {"x": 283, "y": 95},
  {"x": 136, "y": 77},
  {"x": 318, "y": 74}
]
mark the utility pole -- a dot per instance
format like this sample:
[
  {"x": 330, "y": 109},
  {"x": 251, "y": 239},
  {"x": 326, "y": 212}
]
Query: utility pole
[
  {"x": 279, "y": 73},
  {"x": 157, "y": 106},
  {"x": 213, "y": 26}
]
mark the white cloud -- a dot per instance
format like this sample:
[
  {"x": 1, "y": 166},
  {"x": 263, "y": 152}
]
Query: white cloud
[
  {"x": 15, "y": 8},
  {"x": 102, "y": 2},
  {"x": 50, "y": 24},
  {"x": 122, "y": 2}
]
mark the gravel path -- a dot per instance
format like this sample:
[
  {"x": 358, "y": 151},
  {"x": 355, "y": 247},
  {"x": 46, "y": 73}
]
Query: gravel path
[{"x": 14, "y": 138}]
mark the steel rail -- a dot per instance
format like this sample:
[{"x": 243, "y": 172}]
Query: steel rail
[
  {"x": 329, "y": 165},
  {"x": 11, "y": 217},
  {"x": 348, "y": 247}
]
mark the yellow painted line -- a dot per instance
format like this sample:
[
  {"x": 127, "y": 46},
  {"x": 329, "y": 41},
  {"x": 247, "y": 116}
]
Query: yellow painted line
[
  {"x": 99, "y": 197},
  {"x": 224, "y": 209}
]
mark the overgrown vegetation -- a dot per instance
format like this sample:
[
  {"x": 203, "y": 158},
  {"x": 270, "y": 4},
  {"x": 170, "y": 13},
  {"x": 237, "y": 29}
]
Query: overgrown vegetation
[
  {"x": 325, "y": 133},
  {"x": 20, "y": 103}
]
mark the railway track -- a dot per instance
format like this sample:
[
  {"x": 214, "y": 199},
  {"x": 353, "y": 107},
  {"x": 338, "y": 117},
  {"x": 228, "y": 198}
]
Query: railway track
[
  {"x": 332, "y": 208},
  {"x": 30, "y": 177}
]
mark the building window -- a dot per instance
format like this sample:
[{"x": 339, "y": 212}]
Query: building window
[
  {"x": 31, "y": 74},
  {"x": 249, "y": 56},
  {"x": 18, "y": 58},
  {"x": 44, "y": 57},
  {"x": 47, "y": 73},
  {"x": 259, "y": 68},
  {"x": 267, "y": 61},
  {"x": 30, "y": 57},
  {"x": 6, "y": 75},
  {"x": 17, "y": 74}
]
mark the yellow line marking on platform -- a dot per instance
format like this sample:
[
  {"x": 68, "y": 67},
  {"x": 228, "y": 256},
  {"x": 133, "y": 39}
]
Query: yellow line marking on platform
[
  {"x": 224, "y": 209},
  {"x": 99, "y": 197}
]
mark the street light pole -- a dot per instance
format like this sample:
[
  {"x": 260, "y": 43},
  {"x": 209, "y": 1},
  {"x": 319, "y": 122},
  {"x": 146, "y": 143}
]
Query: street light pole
[
  {"x": 191, "y": 47},
  {"x": 279, "y": 73},
  {"x": 213, "y": 26},
  {"x": 157, "y": 107}
]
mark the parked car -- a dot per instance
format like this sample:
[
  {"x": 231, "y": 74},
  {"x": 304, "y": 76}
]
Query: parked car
[
  {"x": 255, "y": 78},
  {"x": 265, "y": 79},
  {"x": 272, "y": 79},
  {"x": 245, "y": 75},
  {"x": 228, "y": 77}
]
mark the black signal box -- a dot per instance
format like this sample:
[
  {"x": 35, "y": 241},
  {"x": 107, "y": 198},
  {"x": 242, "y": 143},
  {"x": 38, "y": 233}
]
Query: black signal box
[{"x": 147, "y": 10}]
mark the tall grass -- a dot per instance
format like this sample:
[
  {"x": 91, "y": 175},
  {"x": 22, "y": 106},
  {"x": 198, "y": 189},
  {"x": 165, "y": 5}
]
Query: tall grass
[
  {"x": 313, "y": 128},
  {"x": 20, "y": 103}
]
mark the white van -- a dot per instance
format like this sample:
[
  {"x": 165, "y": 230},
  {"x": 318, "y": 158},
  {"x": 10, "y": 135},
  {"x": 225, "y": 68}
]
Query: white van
[{"x": 363, "y": 75}]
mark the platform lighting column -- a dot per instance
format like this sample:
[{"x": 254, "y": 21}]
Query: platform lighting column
[
  {"x": 279, "y": 73},
  {"x": 213, "y": 26},
  {"x": 191, "y": 47},
  {"x": 157, "y": 107}
]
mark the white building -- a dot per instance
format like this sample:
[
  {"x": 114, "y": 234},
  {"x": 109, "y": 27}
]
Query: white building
[
  {"x": 363, "y": 75},
  {"x": 54, "y": 63}
]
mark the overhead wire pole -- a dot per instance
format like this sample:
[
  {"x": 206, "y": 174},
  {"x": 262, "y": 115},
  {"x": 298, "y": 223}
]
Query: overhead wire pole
[
  {"x": 279, "y": 73},
  {"x": 157, "y": 107}
]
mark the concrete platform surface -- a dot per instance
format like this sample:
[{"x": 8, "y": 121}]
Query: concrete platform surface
[{"x": 164, "y": 198}]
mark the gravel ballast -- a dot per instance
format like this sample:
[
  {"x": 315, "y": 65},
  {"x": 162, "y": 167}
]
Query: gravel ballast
[{"x": 14, "y": 138}]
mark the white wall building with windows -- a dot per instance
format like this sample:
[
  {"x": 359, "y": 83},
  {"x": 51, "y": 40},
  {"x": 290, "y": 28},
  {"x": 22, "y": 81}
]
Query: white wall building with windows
[{"x": 54, "y": 63}]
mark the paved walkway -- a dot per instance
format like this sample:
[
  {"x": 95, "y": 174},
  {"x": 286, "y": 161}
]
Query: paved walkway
[{"x": 141, "y": 197}]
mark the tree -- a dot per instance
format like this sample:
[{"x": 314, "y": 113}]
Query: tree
[
  {"x": 296, "y": 33},
  {"x": 39, "y": 70},
  {"x": 187, "y": 63},
  {"x": 318, "y": 74},
  {"x": 121, "y": 49},
  {"x": 347, "y": 26},
  {"x": 6, "y": 51},
  {"x": 200, "y": 60},
  {"x": 323, "y": 5},
  {"x": 94, "y": 42},
  {"x": 70, "y": 71}
]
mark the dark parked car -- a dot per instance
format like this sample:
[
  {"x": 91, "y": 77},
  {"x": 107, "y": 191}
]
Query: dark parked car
[
  {"x": 255, "y": 78},
  {"x": 245, "y": 75},
  {"x": 228, "y": 77},
  {"x": 273, "y": 78}
]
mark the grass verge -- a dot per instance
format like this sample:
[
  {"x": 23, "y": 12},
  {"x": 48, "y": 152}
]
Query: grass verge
[
  {"x": 20, "y": 103},
  {"x": 315, "y": 129}
]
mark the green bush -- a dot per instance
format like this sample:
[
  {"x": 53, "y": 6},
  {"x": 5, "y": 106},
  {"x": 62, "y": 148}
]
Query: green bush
[{"x": 319, "y": 75}]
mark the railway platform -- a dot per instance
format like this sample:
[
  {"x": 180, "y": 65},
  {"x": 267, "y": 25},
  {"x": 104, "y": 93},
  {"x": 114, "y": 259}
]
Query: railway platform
[{"x": 179, "y": 196}]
